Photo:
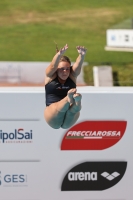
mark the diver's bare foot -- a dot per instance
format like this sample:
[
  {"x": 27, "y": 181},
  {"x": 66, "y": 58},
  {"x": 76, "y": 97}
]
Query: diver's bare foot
[
  {"x": 77, "y": 97},
  {"x": 70, "y": 94}
]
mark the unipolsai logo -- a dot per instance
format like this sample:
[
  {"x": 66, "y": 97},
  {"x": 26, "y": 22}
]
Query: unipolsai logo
[
  {"x": 12, "y": 180},
  {"x": 16, "y": 136},
  {"x": 93, "y": 135},
  {"x": 89, "y": 176}
]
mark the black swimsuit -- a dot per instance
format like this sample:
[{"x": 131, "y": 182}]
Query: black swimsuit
[{"x": 55, "y": 91}]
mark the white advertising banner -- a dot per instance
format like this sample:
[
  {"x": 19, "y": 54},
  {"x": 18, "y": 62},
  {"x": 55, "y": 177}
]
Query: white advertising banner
[
  {"x": 119, "y": 38},
  {"x": 90, "y": 160}
]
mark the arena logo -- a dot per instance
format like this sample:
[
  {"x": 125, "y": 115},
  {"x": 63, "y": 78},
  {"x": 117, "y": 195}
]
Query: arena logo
[
  {"x": 12, "y": 180},
  {"x": 17, "y": 136},
  {"x": 93, "y": 135},
  {"x": 90, "y": 176}
]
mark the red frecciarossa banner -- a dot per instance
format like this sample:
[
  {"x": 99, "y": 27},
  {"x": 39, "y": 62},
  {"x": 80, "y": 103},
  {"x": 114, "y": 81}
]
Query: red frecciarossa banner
[{"x": 93, "y": 135}]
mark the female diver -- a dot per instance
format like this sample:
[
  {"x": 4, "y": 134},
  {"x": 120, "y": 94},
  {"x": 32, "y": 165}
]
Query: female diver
[{"x": 63, "y": 103}]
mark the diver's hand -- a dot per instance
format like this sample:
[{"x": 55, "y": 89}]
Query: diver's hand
[
  {"x": 81, "y": 50},
  {"x": 63, "y": 50}
]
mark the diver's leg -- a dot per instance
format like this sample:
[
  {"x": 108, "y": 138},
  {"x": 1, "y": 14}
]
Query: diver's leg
[
  {"x": 73, "y": 113},
  {"x": 55, "y": 113}
]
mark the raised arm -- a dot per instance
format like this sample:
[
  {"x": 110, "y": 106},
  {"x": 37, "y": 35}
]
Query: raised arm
[
  {"x": 76, "y": 68},
  {"x": 51, "y": 69}
]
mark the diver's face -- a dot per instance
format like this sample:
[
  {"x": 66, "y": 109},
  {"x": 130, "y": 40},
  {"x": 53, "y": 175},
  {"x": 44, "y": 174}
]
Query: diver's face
[{"x": 63, "y": 70}]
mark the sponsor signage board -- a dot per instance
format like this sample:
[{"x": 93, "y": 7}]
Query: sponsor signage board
[{"x": 90, "y": 160}]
